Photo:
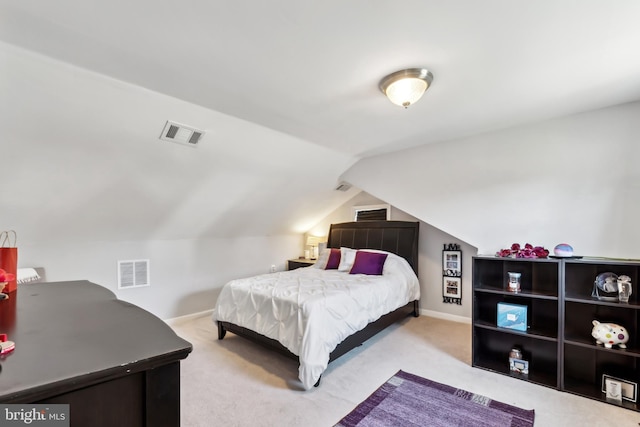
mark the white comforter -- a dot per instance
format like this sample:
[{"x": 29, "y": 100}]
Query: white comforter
[{"x": 310, "y": 310}]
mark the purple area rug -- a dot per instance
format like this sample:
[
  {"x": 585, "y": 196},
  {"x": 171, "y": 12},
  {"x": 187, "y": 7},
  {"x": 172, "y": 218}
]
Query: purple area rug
[{"x": 410, "y": 400}]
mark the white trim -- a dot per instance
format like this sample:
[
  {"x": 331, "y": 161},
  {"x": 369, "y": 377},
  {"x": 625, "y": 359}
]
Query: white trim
[
  {"x": 430, "y": 313},
  {"x": 187, "y": 317},
  {"x": 446, "y": 316}
]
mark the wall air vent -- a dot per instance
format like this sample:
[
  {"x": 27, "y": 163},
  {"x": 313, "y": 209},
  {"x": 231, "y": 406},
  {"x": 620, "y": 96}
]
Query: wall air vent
[
  {"x": 133, "y": 273},
  {"x": 181, "y": 134}
]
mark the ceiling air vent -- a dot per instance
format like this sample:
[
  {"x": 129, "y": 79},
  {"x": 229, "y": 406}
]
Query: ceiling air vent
[
  {"x": 181, "y": 134},
  {"x": 343, "y": 186}
]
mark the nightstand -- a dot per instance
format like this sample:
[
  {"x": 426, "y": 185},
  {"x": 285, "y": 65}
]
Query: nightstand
[{"x": 292, "y": 264}]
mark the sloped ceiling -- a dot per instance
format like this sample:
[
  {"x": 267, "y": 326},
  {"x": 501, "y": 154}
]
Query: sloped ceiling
[
  {"x": 82, "y": 159},
  {"x": 287, "y": 91}
]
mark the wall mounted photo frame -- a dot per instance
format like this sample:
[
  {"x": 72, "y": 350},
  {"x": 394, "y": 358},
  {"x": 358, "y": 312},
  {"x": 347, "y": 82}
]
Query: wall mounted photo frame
[
  {"x": 452, "y": 274},
  {"x": 452, "y": 263},
  {"x": 452, "y": 287}
]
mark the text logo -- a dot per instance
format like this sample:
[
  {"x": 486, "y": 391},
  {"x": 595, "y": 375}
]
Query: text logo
[{"x": 34, "y": 415}]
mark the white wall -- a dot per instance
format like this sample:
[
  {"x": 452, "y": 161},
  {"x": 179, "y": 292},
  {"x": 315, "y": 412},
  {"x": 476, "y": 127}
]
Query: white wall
[
  {"x": 86, "y": 182},
  {"x": 573, "y": 179},
  {"x": 430, "y": 248},
  {"x": 186, "y": 275}
]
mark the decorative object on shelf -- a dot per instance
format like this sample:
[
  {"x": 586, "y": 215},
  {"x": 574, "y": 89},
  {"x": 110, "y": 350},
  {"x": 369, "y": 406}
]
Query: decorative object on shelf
[
  {"x": 9, "y": 258},
  {"x": 605, "y": 287},
  {"x": 515, "y": 353},
  {"x": 624, "y": 288},
  {"x": 517, "y": 365},
  {"x": 563, "y": 250},
  {"x": 452, "y": 274},
  {"x": 528, "y": 251},
  {"x": 6, "y": 346},
  {"x": 26, "y": 275},
  {"x": 513, "y": 285},
  {"x": 628, "y": 389},
  {"x": 609, "y": 334},
  {"x": 613, "y": 390},
  {"x": 512, "y": 316}
]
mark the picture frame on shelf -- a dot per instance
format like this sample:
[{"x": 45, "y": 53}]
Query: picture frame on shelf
[
  {"x": 629, "y": 389},
  {"x": 518, "y": 366},
  {"x": 613, "y": 390}
]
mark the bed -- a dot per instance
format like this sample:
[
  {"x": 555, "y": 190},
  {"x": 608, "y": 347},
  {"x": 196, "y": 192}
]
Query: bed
[{"x": 315, "y": 315}]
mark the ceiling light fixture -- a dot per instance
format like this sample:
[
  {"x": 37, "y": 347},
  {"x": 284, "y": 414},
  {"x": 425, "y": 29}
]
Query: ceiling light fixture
[{"x": 406, "y": 87}]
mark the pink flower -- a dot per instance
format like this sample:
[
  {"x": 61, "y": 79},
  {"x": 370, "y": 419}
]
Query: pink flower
[
  {"x": 529, "y": 251},
  {"x": 6, "y": 277},
  {"x": 540, "y": 252},
  {"x": 504, "y": 253}
]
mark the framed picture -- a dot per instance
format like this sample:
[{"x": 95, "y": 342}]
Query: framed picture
[
  {"x": 452, "y": 274},
  {"x": 452, "y": 263},
  {"x": 452, "y": 287},
  {"x": 518, "y": 366},
  {"x": 613, "y": 390},
  {"x": 629, "y": 389}
]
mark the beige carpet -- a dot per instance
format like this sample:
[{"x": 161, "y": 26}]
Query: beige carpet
[{"x": 237, "y": 383}]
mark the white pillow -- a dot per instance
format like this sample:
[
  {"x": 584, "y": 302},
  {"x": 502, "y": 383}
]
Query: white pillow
[
  {"x": 323, "y": 258},
  {"x": 347, "y": 257}
]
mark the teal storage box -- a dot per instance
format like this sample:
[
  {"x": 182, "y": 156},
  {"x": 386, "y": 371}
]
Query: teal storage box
[{"x": 512, "y": 316}]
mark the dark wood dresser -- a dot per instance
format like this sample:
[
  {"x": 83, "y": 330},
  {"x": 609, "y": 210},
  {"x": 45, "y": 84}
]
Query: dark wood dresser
[
  {"x": 76, "y": 343},
  {"x": 292, "y": 264}
]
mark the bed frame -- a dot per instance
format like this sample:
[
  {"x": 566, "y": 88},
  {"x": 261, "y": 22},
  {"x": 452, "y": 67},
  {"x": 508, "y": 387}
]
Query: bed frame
[{"x": 398, "y": 237}]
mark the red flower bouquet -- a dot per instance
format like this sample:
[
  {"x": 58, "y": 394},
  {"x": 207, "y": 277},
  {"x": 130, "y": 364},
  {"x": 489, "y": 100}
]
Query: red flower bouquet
[{"x": 529, "y": 251}]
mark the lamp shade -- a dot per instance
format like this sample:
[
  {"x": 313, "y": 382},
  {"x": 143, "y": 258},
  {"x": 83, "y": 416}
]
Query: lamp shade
[
  {"x": 314, "y": 240},
  {"x": 405, "y": 87}
]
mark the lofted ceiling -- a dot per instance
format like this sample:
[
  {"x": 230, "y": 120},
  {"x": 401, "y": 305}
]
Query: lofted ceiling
[
  {"x": 287, "y": 91},
  {"x": 311, "y": 68}
]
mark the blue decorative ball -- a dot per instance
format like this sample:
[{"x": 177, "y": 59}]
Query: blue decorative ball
[{"x": 563, "y": 250}]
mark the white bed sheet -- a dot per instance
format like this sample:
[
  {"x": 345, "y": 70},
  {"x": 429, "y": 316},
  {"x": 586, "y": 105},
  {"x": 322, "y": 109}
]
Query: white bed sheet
[{"x": 310, "y": 310}]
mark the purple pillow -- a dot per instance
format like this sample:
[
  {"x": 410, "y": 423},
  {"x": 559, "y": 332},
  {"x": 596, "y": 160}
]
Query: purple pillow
[
  {"x": 368, "y": 263},
  {"x": 334, "y": 259}
]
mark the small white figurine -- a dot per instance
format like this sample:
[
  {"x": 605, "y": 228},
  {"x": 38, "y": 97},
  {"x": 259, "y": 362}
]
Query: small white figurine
[{"x": 609, "y": 334}]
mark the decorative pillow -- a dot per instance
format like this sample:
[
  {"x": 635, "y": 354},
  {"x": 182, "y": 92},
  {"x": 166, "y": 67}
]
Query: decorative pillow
[
  {"x": 322, "y": 259},
  {"x": 347, "y": 256},
  {"x": 368, "y": 263},
  {"x": 334, "y": 259}
]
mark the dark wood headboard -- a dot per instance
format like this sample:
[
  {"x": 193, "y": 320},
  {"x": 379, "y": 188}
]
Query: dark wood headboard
[{"x": 398, "y": 237}]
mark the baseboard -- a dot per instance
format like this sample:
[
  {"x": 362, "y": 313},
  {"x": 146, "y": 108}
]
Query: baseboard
[
  {"x": 187, "y": 317},
  {"x": 429, "y": 313},
  {"x": 446, "y": 316}
]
